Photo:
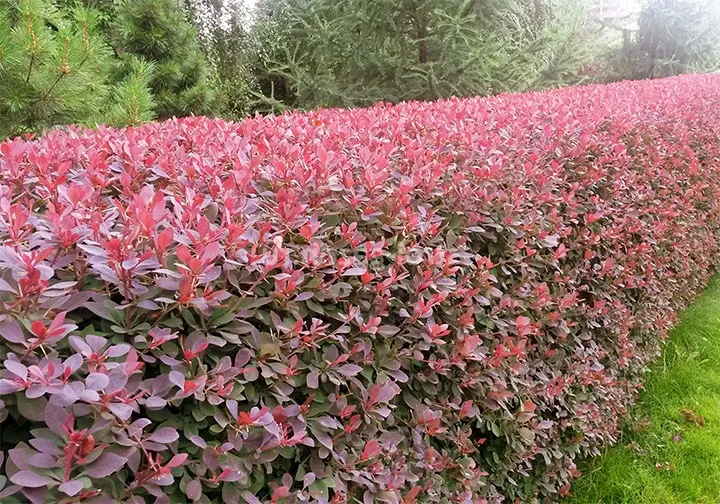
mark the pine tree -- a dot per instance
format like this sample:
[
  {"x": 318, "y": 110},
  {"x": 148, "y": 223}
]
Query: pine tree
[
  {"x": 356, "y": 52},
  {"x": 53, "y": 70},
  {"x": 158, "y": 31},
  {"x": 132, "y": 101}
]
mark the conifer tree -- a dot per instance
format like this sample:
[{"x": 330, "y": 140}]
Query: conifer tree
[
  {"x": 53, "y": 69},
  {"x": 132, "y": 102},
  {"x": 356, "y": 52},
  {"x": 158, "y": 31}
]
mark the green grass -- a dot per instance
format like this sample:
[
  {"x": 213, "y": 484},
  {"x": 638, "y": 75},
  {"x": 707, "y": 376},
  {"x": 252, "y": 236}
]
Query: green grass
[{"x": 686, "y": 378}]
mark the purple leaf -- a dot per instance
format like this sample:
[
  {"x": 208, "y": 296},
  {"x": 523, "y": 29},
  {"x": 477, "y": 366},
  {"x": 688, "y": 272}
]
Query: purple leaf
[
  {"x": 121, "y": 410},
  {"x": 11, "y": 331},
  {"x": 20, "y": 456},
  {"x": 9, "y": 490},
  {"x": 242, "y": 357},
  {"x": 73, "y": 301},
  {"x": 96, "y": 381},
  {"x": 55, "y": 416},
  {"x": 35, "y": 391},
  {"x": 16, "y": 368},
  {"x": 118, "y": 350},
  {"x": 550, "y": 241},
  {"x": 89, "y": 396},
  {"x": 164, "y": 435},
  {"x": 230, "y": 475},
  {"x": 313, "y": 380},
  {"x": 118, "y": 379},
  {"x": 79, "y": 345},
  {"x": 8, "y": 386},
  {"x": 383, "y": 393},
  {"x": 330, "y": 422},
  {"x": 148, "y": 305},
  {"x": 349, "y": 369},
  {"x": 388, "y": 330},
  {"x": 45, "y": 445},
  {"x": 164, "y": 480},
  {"x": 70, "y": 394},
  {"x": 308, "y": 480},
  {"x": 155, "y": 402},
  {"x": 71, "y": 487},
  {"x": 135, "y": 429},
  {"x": 97, "y": 343},
  {"x": 105, "y": 465},
  {"x": 194, "y": 489},
  {"x": 545, "y": 424},
  {"x": 177, "y": 378},
  {"x": 6, "y": 287},
  {"x": 177, "y": 460},
  {"x": 357, "y": 271},
  {"x": 130, "y": 263},
  {"x": 304, "y": 296},
  {"x": 198, "y": 441},
  {"x": 43, "y": 461},
  {"x": 250, "y": 498},
  {"x": 324, "y": 438},
  {"x": 211, "y": 458},
  {"x": 30, "y": 479},
  {"x": 74, "y": 362}
]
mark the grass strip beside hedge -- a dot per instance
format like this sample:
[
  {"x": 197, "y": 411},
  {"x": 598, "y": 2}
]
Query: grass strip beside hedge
[{"x": 670, "y": 453}]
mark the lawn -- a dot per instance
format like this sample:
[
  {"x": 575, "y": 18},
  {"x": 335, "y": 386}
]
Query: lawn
[{"x": 670, "y": 452}]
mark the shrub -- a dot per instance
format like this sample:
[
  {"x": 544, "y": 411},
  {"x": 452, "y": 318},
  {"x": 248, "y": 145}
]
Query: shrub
[{"x": 434, "y": 302}]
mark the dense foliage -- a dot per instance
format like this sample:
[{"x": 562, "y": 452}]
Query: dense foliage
[
  {"x": 125, "y": 62},
  {"x": 431, "y": 302}
]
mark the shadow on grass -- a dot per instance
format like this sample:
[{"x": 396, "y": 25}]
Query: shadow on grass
[{"x": 676, "y": 459}]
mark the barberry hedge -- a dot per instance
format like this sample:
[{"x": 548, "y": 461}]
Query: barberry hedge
[{"x": 428, "y": 302}]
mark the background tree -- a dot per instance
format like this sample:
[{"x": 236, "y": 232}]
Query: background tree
[
  {"x": 672, "y": 37},
  {"x": 159, "y": 31},
  {"x": 222, "y": 27},
  {"x": 353, "y": 53},
  {"x": 53, "y": 68},
  {"x": 132, "y": 101}
]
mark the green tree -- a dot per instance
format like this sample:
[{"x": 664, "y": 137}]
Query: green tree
[
  {"x": 222, "y": 27},
  {"x": 673, "y": 37},
  {"x": 159, "y": 32},
  {"x": 353, "y": 53},
  {"x": 53, "y": 69},
  {"x": 132, "y": 102}
]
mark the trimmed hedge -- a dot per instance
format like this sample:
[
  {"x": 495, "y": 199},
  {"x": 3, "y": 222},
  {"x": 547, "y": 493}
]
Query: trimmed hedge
[{"x": 435, "y": 302}]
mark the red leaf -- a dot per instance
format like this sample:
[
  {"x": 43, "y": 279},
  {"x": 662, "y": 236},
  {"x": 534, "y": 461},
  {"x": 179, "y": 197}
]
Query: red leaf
[{"x": 372, "y": 449}]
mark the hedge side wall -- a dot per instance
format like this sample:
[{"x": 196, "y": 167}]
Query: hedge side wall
[{"x": 428, "y": 302}]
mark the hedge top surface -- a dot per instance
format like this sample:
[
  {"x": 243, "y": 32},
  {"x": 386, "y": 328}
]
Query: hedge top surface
[{"x": 444, "y": 301}]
